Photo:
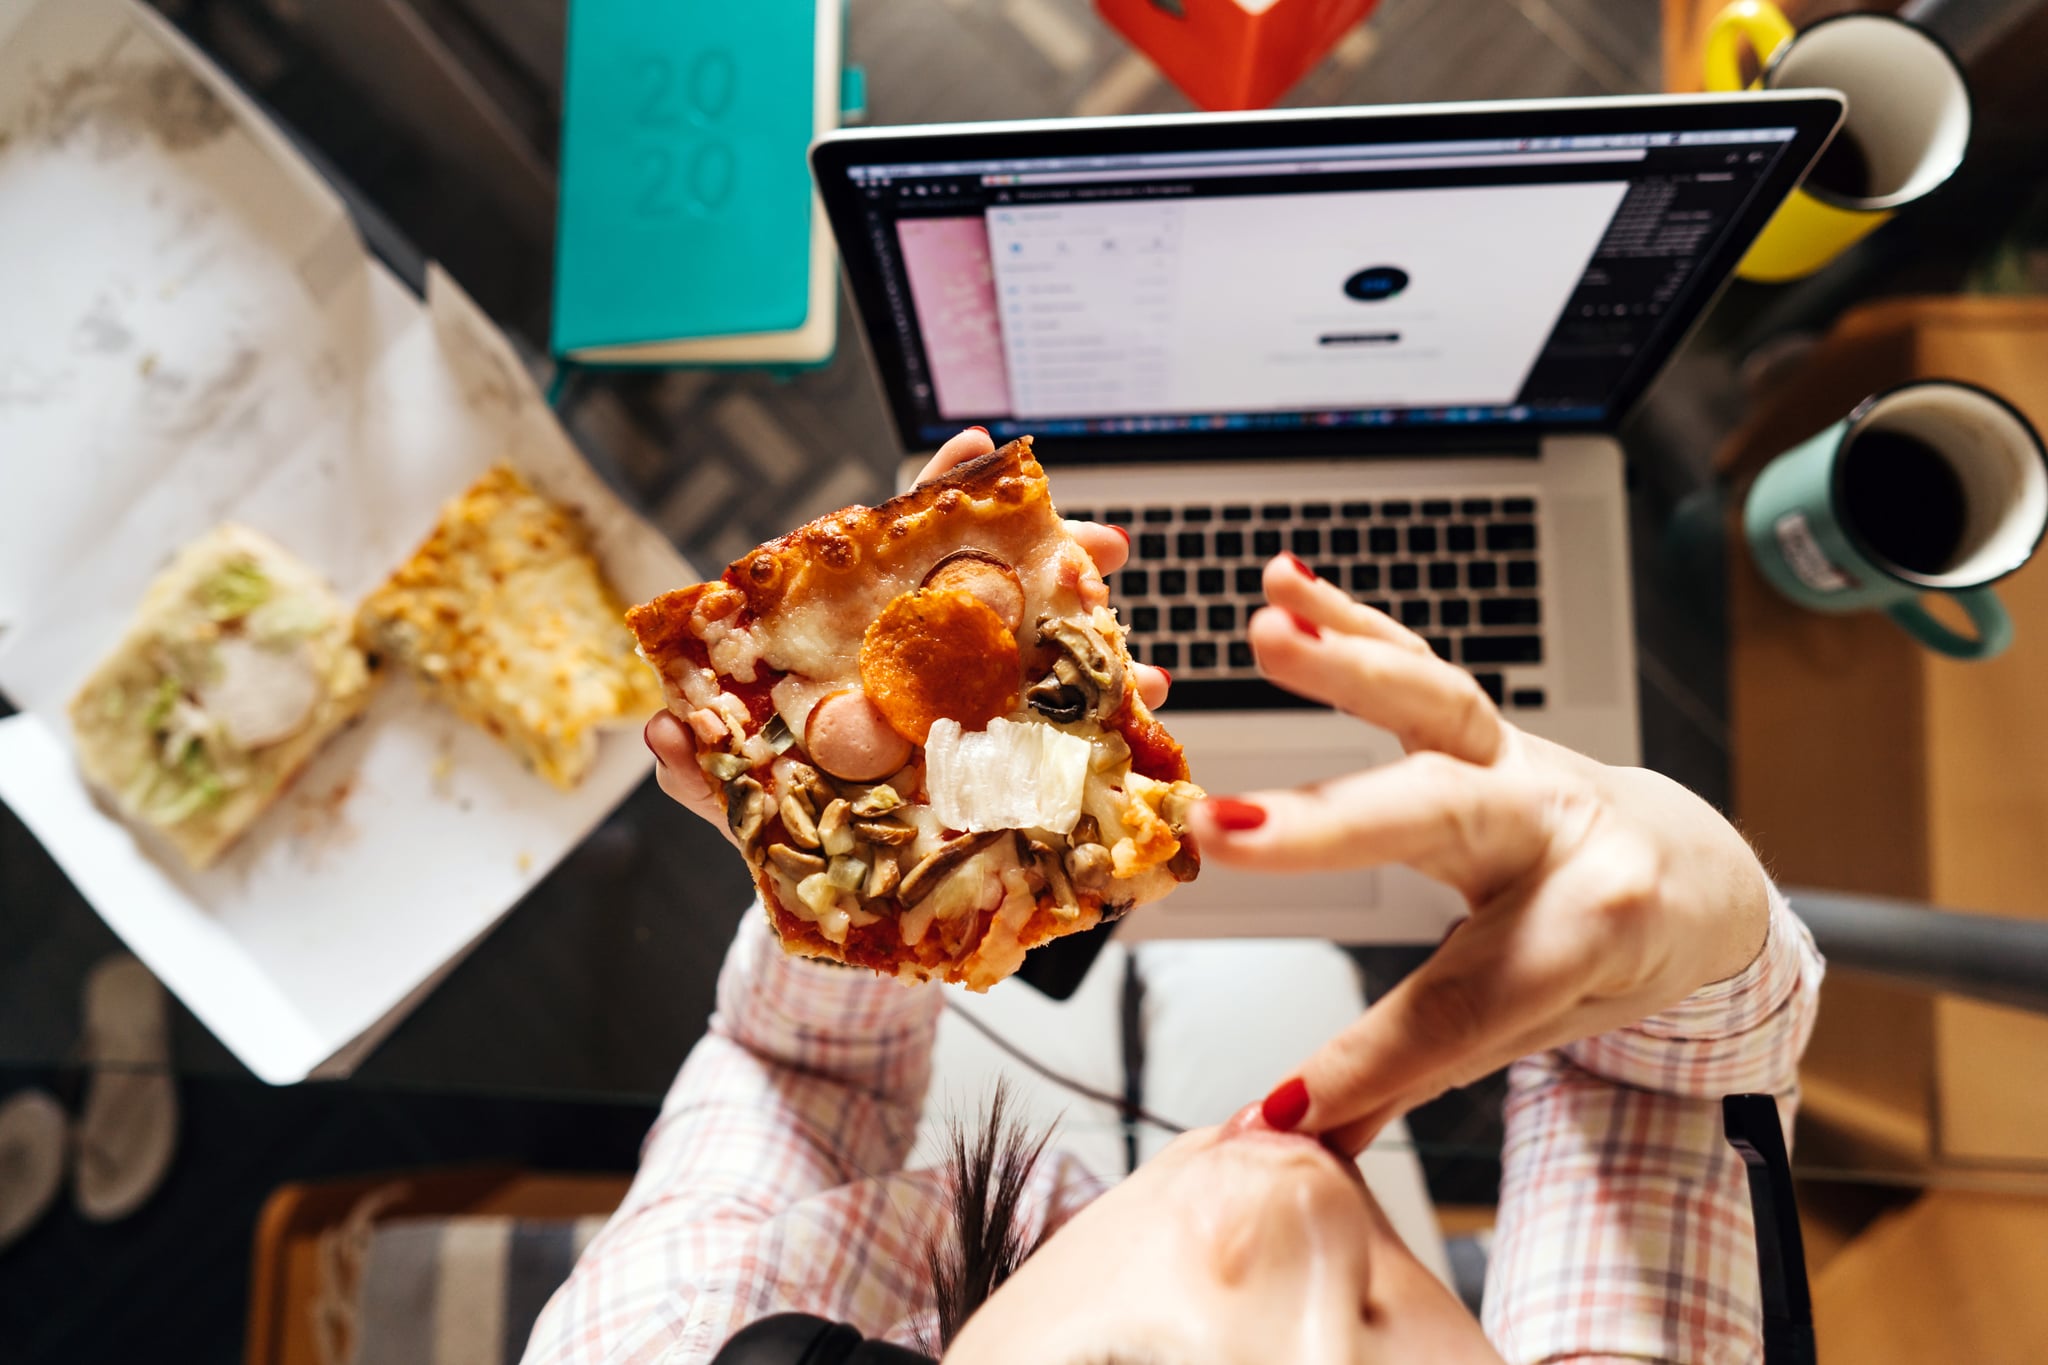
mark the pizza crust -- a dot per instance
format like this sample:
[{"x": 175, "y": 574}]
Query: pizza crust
[{"x": 864, "y": 872}]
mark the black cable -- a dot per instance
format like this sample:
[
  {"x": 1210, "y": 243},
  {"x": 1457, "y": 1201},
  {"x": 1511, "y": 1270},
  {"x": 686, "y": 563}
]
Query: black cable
[{"x": 1126, "y": 1109}]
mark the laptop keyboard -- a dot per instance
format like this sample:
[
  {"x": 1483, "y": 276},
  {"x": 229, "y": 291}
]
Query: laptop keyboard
[{"x": 1460, "y": 571}]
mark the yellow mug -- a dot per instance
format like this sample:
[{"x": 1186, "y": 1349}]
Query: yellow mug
[{"x": 1907, "y": 126}]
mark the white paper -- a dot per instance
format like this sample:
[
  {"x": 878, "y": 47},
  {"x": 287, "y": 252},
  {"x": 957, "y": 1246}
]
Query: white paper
[{"x": 191, "y": 332}]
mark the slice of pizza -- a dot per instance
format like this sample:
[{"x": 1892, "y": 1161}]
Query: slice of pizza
[
  {"x": 925, "y": 729},
  {"x": 237, "y": 668},
  {"x": 505, "y": 615}
]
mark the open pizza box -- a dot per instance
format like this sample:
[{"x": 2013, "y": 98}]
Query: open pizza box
[{"x": 192, "y": 332}]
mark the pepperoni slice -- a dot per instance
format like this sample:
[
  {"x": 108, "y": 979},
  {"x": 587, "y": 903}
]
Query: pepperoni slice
[{"x": 939, "y": 653}]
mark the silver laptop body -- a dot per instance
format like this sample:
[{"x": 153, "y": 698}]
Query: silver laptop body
[{"x": 1394, "y": 342}]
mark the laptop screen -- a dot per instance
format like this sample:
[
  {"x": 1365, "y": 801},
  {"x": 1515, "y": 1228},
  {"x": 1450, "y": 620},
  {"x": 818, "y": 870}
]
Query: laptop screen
[{"x": 1511, "y": 279}]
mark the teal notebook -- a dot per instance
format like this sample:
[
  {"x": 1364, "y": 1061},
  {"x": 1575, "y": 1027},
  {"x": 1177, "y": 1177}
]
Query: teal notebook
[{"x": 687, "y": 230}]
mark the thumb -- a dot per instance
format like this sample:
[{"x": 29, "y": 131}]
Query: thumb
[{"x": 1478, "y": 996}]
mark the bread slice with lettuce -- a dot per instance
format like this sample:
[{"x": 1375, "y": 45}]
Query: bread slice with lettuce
[{"x": 238, "y": 667}]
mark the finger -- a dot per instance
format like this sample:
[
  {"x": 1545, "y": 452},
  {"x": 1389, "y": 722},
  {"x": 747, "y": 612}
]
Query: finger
[
  {"x": 1108, "y": 546},
  {"x": 1152, "y": 685},
  {"x": 1586, "y": 1019},
  {"x": 1473, "y": 828},
  {"x": 1357, "y": 1135},
  {"x": 1474, "y": 1004},
  {"x": 1293, "y": 586},
  {"x": 676, "y": 770},
  {"x": 1423, "y": 701},
  {"x": 974, "y": 441}
]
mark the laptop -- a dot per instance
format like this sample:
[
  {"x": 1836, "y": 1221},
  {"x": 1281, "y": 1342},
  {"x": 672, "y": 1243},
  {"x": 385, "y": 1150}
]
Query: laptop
[{"x": 1395, "y": 342}]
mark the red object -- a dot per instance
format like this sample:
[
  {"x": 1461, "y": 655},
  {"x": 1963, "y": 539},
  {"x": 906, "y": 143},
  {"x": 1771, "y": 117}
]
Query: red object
[
  {"x": 1122, "y": 532},
  {"x": 1287, "y": 1106},
  {"x": 1304, "y": 570},
  {"x": 1233, "y": 814},
  {"x": 1233, "y": 54},
  {"x": 1307, "y": 627}
]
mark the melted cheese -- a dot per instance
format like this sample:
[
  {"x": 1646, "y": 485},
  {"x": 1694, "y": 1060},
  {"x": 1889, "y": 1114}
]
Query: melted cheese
[
  {"x": 699, "y": 687},
  {"x": 1001, "y": 950},
  {"x": 819, "y": 636},
  {"x": 796, "y": 696},
  {"x": 733, "y": 652}
]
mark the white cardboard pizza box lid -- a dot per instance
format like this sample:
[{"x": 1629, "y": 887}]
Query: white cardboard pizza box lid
[{"x": 193, "y": 333}]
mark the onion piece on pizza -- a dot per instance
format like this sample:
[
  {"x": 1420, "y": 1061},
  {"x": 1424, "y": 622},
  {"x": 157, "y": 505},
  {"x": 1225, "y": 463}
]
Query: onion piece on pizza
[{"x": 923, "y": 724}]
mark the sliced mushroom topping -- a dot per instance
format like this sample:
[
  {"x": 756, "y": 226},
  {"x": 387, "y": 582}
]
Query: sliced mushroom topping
[
  {"x": 918, "y": 882},
  {"x": 1087, "y": 830},
  {"x": 1047, "y": 861},
  {"x": 1112, "y": 750},
  {"x": 1112, "y": 911},
  {"x": 835, "y": 828},
  {"x": 1179, "y": 802},
  {"x": 795, "y": 862},
  {"x": 721, "y": 767},
  {"x": 1057, "y": 701},
  {"x": 746, "y": 809},
  {"x": 1088, "y": 865},
  {"x": 1185, "y": 864},
  {"x": 878, "y": 800},
  {"x": 882, "y": 875},
  {"x": 1102, "y": 668},
  {"x": 804, "y": 778},
  {"x": 796, "y": 818},
  {"x": 777, "y": 733},
  {"x": 984, "y": 576},
  {"x": 884, "y": 832}
]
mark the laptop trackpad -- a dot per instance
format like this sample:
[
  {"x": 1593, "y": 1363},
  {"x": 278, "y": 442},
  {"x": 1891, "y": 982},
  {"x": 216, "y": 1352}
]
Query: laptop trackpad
[{"x": 1252, "y": 751}]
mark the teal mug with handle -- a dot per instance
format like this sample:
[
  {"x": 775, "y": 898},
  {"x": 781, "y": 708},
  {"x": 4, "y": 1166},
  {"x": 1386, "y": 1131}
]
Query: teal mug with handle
[{"x": 1933, "y": 487}]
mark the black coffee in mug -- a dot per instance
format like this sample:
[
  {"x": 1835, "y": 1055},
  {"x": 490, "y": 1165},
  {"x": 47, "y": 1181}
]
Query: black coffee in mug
[
  {"x": 1905, "y": 500},
  {"x": 1843, "y": 168}
]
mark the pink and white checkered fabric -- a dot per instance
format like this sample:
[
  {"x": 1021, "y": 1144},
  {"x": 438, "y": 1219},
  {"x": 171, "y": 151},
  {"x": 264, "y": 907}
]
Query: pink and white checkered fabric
[{"x": 774, "y": 1179}]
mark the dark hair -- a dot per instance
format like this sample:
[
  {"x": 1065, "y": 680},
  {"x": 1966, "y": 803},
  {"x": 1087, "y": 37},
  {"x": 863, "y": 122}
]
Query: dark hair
[{"x": 985, "y": 1243}]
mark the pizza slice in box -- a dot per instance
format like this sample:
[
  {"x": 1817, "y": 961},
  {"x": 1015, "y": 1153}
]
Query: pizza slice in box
[{"x": 925, "y": 729}]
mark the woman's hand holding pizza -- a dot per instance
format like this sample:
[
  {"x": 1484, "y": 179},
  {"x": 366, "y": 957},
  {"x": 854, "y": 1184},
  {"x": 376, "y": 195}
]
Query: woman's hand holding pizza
[
  {"x": 675, "y": 752},
  {"x": 1599, "y": 895}
]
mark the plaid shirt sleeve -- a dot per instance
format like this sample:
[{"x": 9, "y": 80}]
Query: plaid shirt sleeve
[
  {"x": 810, "y": 1078},
  {"x": 1625, "y": 1230}
]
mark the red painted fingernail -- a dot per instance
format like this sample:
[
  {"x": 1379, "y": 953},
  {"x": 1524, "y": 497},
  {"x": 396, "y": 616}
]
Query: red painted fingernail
[
  {"x": 982, "y": 430},
  {"x": 1233, "y": 814},
  {"x": 1304, "y": 570},
  {"x": 1307, "y": 627},
  {"x": 1125, "y": 534},
  {"x": 1287, "y": 1106},
  {"x": 647, "y": 738},
  {"x": 1169, "y": 675}
]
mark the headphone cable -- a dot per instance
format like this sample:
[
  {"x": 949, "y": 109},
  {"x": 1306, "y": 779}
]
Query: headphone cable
[{"x": 1127, "y": 1109}]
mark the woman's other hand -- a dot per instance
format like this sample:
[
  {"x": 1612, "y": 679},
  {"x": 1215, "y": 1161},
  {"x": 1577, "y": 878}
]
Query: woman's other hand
[
  {"x": 675, "y": 751},
  {"x": 1599, "y": 895}
]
